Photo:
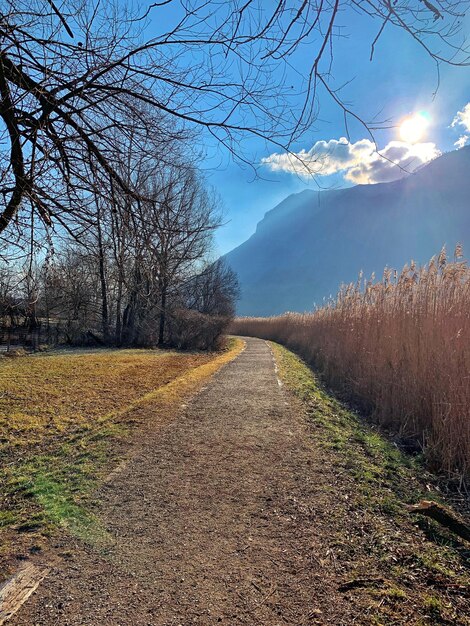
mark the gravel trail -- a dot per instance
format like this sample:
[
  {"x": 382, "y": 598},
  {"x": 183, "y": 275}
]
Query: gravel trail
[{"x": 212, "y": 520}]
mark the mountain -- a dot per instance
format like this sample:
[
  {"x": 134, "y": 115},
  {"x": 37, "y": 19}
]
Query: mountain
[{"x": 313, "y": 241}]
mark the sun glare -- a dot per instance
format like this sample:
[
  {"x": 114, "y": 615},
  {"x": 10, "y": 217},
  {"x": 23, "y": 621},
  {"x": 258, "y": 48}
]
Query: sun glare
[{"x": 413, "y": 128}]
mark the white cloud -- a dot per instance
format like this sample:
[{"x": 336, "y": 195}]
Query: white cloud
[
  {"x": 359, "y": 161},
  {"x": 394, "y": 161},
  {"x": 462, "y": 118},
  {"x": 462, "y": 141}
]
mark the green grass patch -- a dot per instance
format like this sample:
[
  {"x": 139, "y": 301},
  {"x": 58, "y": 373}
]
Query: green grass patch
[
  {"x": 48, "y": 490},
  {"x": 364, "y": 485},
  {"x": 370, "y": 459}
]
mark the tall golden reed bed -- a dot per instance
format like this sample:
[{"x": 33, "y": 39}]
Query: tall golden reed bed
[{"x": 400, "y": 347}]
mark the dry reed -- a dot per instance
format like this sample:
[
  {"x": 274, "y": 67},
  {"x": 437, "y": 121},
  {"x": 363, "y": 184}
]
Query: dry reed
[{"x": 400, "y": 347}]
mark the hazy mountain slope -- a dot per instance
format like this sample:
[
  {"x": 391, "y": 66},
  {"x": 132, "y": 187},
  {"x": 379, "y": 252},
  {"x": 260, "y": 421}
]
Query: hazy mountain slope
[{"x": 313, "y": 241}]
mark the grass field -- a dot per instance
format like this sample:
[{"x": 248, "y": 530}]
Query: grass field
[
  {"x": 65, "y": 421},
  {"x": 400, "y": 568}
]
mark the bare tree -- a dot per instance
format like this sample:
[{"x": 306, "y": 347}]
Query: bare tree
[
  {"x": 70, "y": 294},
  {"x": 213, "y": 291},
  {"x": 69, "y": 77},
  {"x": 178, "y": 226},
  {"x": 133, "y": 262}
]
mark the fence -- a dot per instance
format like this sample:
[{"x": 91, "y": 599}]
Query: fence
[{"x": 29, "y": 337}]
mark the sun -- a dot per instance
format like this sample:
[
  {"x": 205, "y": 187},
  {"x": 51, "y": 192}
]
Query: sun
[{"x": 413, "y": 128}]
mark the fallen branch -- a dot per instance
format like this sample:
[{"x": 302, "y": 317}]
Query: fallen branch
[{"x": 442, "y": 515}]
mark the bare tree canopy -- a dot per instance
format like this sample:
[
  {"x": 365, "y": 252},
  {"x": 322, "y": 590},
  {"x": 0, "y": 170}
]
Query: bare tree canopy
[{"x": 76, "y": 78}]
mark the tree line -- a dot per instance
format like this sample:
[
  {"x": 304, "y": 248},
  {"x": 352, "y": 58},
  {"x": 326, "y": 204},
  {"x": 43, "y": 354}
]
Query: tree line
[{"x": 139, "y": 272}]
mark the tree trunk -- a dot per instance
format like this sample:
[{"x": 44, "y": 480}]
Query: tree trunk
[
  {"x": 102, "y": 270},
  {"x": 161, "y": 328},
  {"x": 118, "y": 327}
]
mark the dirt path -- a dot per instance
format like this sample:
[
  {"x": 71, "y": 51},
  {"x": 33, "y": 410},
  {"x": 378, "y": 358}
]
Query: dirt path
[{"x": 213, "y": 521}]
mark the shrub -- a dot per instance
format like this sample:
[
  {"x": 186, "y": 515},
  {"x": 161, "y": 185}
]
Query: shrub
[{"x": 193, "y": 330}]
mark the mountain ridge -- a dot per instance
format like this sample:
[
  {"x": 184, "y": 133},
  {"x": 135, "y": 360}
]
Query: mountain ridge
[{"x": 312, "y": 241}]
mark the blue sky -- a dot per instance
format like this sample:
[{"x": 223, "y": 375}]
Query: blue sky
[{"x": 400, "y": 81}]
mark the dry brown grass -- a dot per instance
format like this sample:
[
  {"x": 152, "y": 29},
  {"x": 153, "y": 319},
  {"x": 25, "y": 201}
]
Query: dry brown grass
[
  {"x": 66, "y": 420},
  {"x": 400, "y": 347},
  {"x": 43, "y": 397}
]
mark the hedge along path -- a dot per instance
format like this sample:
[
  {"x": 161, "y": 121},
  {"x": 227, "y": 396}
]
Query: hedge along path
[{"x": 212, "y": 520}]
